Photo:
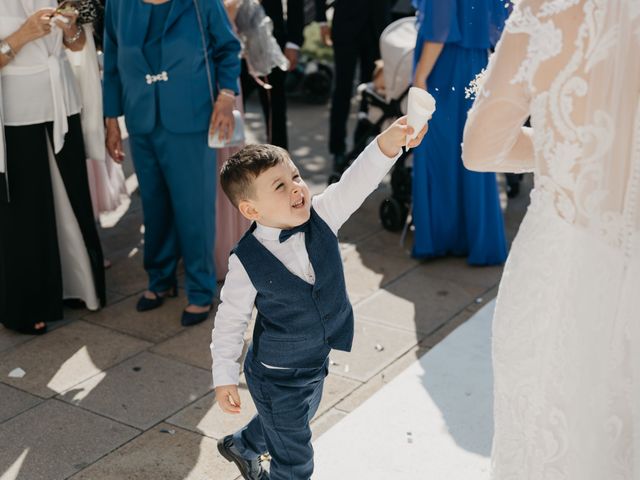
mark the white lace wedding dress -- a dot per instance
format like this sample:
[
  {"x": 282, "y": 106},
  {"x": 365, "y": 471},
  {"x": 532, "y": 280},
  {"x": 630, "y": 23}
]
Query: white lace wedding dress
[{"x": 566, "y": 346}]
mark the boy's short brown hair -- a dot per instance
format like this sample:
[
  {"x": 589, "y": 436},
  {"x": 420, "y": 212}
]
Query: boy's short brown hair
[{"x": 242, "y": 168}]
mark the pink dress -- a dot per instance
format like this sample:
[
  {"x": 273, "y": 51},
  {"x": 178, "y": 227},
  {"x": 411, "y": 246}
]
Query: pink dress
[{"x": 230, "y": 224}]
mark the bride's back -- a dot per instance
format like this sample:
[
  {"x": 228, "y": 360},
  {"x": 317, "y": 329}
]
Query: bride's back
[{"x": 582, "y": 73}]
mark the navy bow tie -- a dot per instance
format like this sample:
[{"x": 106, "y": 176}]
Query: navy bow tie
[{"x": 285, "y": 234}]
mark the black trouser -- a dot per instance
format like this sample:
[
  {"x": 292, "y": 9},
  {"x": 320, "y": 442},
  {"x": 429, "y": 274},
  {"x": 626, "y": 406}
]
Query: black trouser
[
  {"x": 30, "y": 270},
  {"x": 346, "y": 57},
  {"x": 274, "y": 104}
]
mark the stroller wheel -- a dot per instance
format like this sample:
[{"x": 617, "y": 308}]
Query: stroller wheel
[
  {"x": 401, "y": 179},
  {"x": 334, "y": 178},
  {"x": 393, "y": 214}
]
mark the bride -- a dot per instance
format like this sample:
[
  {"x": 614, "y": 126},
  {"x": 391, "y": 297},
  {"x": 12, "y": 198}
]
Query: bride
[{"x": 566, "y": 345}]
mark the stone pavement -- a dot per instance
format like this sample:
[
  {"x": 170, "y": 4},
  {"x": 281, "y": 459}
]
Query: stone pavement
[{"x": 121, "y": 395}]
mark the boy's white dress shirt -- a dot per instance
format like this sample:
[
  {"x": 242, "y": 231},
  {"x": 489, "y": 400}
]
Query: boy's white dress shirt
[{"x": 335, "y": 205}]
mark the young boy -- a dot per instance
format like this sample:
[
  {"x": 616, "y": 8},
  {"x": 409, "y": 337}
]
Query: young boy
[{"x": 288, "y": 265}]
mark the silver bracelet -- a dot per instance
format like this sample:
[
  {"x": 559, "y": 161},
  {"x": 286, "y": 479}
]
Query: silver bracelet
[
  {"x": 75, "y": 38},
  {"x": 6, "y": 49},
  {"x": 227, "y": 93}
]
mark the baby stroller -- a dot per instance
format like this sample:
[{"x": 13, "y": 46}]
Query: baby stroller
[{"x": 386, "y": 100}]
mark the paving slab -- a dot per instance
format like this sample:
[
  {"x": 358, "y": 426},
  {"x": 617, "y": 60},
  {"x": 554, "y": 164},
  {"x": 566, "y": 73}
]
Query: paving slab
[
  {"x": 14, "y": 402},
  {"x": 206, "y": 417},
  {"x": 365, "y": 272},
  {"x": 378, "y": 381},
  {"x": 54, "y": 440},
  {"x": 336, "y": 388},
  {"x": 142, "y": 391},
  {"x": 67, "y": 356},
  {"x": 9, "y": 338},
  {"x": 154, "y": 326},
  {"x": 418, "y": 302},
  {"x": 190, "y": 346},
  {"x": 388, "y": 243},
  {"x": 156, "y": 455},
  {"x": 126, "y": 275},
  {"x": 456, "y": 269},
  {"x": 322, "y": 423},
  {"x": 365, "y": 221},
  {"x": 365, "y": 360}
]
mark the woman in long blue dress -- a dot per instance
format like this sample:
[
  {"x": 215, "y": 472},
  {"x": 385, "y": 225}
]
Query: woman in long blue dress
[{"x": 455, "y": 211}]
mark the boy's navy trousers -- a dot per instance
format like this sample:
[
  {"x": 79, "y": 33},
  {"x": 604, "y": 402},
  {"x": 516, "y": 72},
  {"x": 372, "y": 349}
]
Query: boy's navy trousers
[{"x": 286, "y": 401}]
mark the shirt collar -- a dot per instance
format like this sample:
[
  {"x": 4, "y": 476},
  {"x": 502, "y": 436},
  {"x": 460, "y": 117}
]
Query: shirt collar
[{"x": 267, "y": 233}]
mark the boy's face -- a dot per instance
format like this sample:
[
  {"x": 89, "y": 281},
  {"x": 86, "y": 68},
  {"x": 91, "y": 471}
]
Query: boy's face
[{"x": 280, "y": 198}]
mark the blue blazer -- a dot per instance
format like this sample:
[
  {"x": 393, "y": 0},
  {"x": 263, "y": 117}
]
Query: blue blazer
[{"x": 184, "y": 100}]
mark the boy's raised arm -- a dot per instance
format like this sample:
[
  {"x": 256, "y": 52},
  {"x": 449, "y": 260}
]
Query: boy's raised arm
[{"x": 338, "y": 202}]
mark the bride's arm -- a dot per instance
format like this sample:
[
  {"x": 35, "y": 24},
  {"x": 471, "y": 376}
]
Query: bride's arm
[{"x": 494, "y": 137}]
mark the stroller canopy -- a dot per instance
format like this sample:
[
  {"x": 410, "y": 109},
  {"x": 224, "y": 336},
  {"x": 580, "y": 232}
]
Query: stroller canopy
[{"x": 397, "y": 44}]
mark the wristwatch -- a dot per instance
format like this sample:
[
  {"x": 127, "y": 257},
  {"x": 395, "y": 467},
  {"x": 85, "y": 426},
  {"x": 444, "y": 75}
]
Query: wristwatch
[{"x": 5, "y": 49}]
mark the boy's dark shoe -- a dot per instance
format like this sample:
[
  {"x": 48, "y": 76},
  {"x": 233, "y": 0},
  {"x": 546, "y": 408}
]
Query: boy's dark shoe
[{"x": 250, "y": 469}]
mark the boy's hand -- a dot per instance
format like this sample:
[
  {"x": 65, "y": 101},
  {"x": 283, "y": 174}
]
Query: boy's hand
[
  {"x": 394, "y": 138},
  {"x": 228, "y": 398}
]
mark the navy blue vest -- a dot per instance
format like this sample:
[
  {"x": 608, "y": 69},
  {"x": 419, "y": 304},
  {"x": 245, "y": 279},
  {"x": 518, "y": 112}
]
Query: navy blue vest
[{"x": 298, "y": 324}]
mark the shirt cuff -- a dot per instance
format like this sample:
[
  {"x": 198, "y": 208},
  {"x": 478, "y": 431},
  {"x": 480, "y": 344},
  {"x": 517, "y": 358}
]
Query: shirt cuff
[
  {"x": 226, "y": 375},
  {"x": 292, "y": 45}
]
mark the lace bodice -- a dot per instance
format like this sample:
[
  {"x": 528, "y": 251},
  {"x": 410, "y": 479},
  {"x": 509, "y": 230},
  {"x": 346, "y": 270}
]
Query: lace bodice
[{"x": 573, "y": 67}]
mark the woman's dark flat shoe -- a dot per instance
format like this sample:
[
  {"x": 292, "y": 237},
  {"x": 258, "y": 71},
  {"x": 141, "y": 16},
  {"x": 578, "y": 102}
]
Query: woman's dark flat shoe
[
  {"x": 145, "y": 304},
  {"x": 189, "y": 318}
]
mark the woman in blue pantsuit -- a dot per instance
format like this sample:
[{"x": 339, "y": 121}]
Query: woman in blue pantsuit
[
  {"x": 155, "y": 75},
  {"x": 455, "y": 211}
]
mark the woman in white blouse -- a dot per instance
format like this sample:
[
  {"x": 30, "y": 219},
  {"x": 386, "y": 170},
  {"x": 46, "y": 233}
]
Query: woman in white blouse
[{"x": 49, "y": 247}]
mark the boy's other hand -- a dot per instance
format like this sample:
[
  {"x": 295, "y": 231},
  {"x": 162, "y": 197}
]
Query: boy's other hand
[
  {"x": 394, "y": 138},
  {"x": 228, "y": 398}
]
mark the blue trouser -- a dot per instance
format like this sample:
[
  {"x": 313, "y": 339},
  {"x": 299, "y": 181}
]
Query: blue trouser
[
  {"x": 177, "y": 177},
  {"x": 286, "y": 401}
]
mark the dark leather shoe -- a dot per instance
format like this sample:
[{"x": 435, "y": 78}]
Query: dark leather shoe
[
  {"x": 189, "y": 318},
  {"x": 145, "y": 304},
  {"x": 250, "y": 469}
]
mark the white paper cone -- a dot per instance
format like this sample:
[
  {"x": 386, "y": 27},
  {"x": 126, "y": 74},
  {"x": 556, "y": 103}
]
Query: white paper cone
[{"x": 421, "y": 106}]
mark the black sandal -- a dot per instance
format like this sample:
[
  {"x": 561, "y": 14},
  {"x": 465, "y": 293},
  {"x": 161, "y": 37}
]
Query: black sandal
[{"x": 32, "y": 330}]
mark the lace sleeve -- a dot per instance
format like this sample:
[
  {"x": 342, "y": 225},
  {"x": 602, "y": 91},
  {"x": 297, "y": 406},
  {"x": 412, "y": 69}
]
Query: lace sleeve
[{"x": 494, "y": 137}]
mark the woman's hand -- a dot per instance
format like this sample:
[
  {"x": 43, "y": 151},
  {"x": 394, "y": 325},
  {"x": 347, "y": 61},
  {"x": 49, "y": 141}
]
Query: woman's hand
[
  {"x": 325, "y": 34},
  {"x": 222, "y": 118},
  {"x": 293, "y": 55},
  {"x": 114, "y": 140},
  {"x": 394, "y": 138},
  {"x": 36, "y": 26}
]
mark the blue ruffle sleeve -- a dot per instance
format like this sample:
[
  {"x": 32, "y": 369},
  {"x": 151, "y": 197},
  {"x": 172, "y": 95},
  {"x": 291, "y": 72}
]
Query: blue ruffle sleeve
[{"x": 468, "y": 23}]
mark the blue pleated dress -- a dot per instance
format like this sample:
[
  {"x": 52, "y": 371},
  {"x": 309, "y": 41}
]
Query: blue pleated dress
[{"x": 455, "y": 211}]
